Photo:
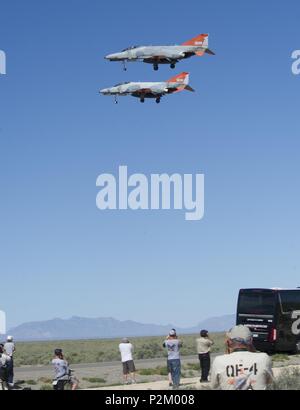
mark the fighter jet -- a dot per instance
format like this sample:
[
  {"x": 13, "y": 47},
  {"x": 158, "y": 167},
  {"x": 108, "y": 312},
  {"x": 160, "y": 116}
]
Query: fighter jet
[
  {"x": 155, "y": 90},
  {"x": 163, "y": 54}
]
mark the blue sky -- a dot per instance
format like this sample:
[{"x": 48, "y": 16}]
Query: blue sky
[{"x": 59, "y": 255}]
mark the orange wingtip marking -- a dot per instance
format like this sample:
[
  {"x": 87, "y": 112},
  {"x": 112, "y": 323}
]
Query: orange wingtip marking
[
  {"x": 196, "y": 41},
  {"x": 178, "y": 78}
]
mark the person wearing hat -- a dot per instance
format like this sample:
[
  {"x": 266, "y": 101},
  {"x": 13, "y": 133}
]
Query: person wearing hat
[
  {"x": 168, "y": 364},
  {"x": 126, "y": 350},
  {"x": 9, "y": 348},
  {"x": 242, "y": 368},
  {"x": 173, "y": 345},
  {"x": 204, "y": 344},
  {"x": 62, "y": 372}
]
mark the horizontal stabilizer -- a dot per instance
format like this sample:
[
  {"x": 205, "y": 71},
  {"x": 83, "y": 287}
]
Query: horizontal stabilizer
[
  {"x": 187, "y": 87},
  {"x": 208, "y": 51}
]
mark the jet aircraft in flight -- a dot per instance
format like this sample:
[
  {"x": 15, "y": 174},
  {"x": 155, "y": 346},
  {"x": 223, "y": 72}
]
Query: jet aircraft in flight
[
  {"x": 155, "y": 90},
  {"x": 156, "y": 55}
]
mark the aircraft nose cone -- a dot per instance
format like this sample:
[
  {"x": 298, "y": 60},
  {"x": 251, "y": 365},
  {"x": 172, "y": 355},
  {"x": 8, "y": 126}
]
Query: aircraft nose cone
[
  {"x": 104, "y": 91},
  {"x": 112, "y": 57}
]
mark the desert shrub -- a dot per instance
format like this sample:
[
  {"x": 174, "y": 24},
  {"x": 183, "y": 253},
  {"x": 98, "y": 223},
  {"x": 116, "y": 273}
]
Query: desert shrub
[
  {"x": 192, "y": 366},
  {"x": 160, "y": 370},
  {"x": 94, "y": 379},
  {"x": 31, "y": 382},
  {"x": 287, "y": 380},
  {"x": 44, "y": 380},
  {"x": 279, "y": 357},
  {"x": 46, "y": 387}
]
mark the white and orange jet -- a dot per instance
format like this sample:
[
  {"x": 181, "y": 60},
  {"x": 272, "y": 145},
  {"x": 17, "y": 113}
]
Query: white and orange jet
[
  {"x": 163, "y": 54},
  {"x": 155, "y": 90}
]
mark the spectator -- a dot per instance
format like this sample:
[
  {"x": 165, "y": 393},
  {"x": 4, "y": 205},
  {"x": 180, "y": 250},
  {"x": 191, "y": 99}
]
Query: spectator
[
  {"x": 173, "y": 345},
  {"x": 242, "y": 368},
  {"x": 9, "y": 348},
  {"x": 204, "y": 344},
  {"x": 168, "y": 366},
  {"x": 126, "y": 350},
  {"x": 62, "y": 372},
  {"x": 4, "y": 362}
]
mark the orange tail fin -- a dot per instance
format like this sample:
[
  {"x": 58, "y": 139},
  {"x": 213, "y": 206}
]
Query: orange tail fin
[
  {"x": 200, "y": 40},
  {"x": 180, "y": 78}
]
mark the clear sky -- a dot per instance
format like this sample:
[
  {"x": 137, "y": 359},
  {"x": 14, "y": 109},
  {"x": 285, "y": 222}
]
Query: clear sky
[{"x": 59, "y": 255}]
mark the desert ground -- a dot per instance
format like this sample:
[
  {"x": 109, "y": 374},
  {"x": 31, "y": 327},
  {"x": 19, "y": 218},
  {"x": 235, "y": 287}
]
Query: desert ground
[{"x": 96, "y": 363}]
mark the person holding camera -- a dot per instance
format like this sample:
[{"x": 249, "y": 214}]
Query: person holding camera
[
  {"x": 62, "y": 372},
  {"x": 4, "y": 363},
  {"x": 173, "y": 345},
  {"x": 204, "y": 344},
  {"x": 9, "y": 348}
]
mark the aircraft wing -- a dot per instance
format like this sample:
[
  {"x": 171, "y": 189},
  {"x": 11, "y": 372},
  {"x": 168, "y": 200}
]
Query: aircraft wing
[
  {"x": 153, "y": 91},
  {"x": 165, "y": 56},
  {"x": 143, "y": 91}
]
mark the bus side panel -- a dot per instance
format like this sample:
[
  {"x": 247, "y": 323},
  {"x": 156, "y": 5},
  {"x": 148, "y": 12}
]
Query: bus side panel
[{"x": 289, "y": 321}]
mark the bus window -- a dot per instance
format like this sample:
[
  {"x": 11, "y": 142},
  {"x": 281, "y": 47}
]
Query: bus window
[
  {"x": 290, "y": 300},
  {"x": 257, "y": 303}
]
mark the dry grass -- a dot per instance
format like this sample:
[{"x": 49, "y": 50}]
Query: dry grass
[
  {"x": 288, "y": 380},
  {"x": 92, "y": 351}
]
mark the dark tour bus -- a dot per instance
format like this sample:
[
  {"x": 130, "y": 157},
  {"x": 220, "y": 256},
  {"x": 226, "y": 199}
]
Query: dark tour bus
[{"x": 273, "y": 316}]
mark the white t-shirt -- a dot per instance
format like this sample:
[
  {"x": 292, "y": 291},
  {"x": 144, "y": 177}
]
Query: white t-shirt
[
  {"x": 9, "y": 348},
  {"x": 126, "y": 350},
  {"x": 242, "y": 370}
]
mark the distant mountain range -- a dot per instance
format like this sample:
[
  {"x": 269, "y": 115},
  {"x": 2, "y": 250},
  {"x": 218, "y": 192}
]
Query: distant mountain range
[{"x": 102, "y": 327}]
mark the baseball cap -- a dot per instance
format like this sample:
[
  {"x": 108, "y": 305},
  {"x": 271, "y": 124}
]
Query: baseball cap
[
  {"x": 240, "y": 333},
  {"x": 172, "y": 332}
]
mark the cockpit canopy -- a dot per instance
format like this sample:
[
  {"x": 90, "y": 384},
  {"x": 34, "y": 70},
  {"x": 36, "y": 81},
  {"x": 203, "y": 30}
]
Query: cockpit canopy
[
  {"x": 125, "y": 82},
  {"x": 130, "y": 48}
]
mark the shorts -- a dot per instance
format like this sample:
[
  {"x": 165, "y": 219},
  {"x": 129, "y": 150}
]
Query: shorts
[{"x": 128, "y": 367}]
